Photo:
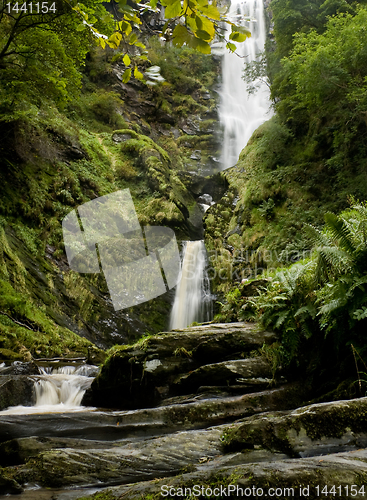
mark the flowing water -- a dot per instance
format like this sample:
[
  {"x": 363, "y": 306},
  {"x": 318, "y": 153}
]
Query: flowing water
[
  {"x": 193, "y": 301},
  {"x": 240, "y": 113},
  {"x": 58, "y": 390}
]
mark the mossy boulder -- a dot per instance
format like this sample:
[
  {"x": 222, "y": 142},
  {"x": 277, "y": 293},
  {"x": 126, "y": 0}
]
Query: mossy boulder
[
  {"x": 310, "y": 430},
  {"x": 140, "y": 375}
]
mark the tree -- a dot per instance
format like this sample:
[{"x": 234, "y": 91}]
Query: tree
[
  {"x": 41, "y": 52},
  {"x": 43, "y": 48}
]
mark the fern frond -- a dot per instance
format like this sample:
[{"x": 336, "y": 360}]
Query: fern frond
[{"x": 340, "y": 232}]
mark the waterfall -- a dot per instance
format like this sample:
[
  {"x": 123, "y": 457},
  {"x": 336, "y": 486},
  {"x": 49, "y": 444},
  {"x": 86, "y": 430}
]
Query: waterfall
[
  {"x": 58, "y": 389},
  {"x": 193, "y": 301},
  {"x": 240, "y": 113}
]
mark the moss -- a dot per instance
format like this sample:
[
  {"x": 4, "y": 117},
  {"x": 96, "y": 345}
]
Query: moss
[
  {"x": 273, "y": 431},
  {"x": 7, "y": 354}
]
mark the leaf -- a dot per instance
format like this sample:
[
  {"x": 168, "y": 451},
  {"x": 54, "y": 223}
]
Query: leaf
[
  {"x": 153, "y": 3},
  {"x": 173, "y": 10},
  {"x": 180, "y": 36},
  {"x": 126, "y": 75},
  {"x": 231, "y": 46},
  {"x": 211, "y": 11},
  {"x": 102, "y": 42},
  {"x": 200, "y": 45},
  {"x": 237, "y": 37},
  {"x": 125, "y": 27},
  {"x": 126, "y": 60},
  {"x": 133, "y": 39},
  {"x": 205, "y": 24},
  {"x": 241, "y": 29},
  {"x": 203, "y": 35},
  {"x": 137, "y": 74}
]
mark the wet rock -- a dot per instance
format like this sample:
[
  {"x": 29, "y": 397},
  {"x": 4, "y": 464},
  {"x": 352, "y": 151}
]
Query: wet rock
[
  {"x": 133, "y": 377},
  {"x": 16, "y": 390},
  {"x": 7, "y": 484},
  {"x": 309, "y": 474},
  {"x": 97, "y": 425},
  {"x": 19, "y": 368},
  {"x": 19, "y": 451},
  {"x": 205, "y": 452},
  {"x": 196, "y": 155},
  {"x": 137, "y": 460},
  {"x": 251, "y": 371},
  {"x": 311, "y": 430}
]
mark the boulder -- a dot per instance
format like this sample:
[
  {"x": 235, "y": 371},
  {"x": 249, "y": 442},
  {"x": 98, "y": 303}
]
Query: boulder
[
  {"x": 141, "y": 375},
  {"x": 312, "y": 478},
  {"x": 311, "y": 430},
  {"x": 16, "y": 390}
]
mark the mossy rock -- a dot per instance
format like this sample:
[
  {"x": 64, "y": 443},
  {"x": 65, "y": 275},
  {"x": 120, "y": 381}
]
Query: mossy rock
[{"x": 8, "y": 355}]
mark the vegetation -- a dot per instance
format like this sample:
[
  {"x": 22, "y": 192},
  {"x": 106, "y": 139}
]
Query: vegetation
[
  {"x": 292, "y": 186},
  {"x": 62, "y": 149}
]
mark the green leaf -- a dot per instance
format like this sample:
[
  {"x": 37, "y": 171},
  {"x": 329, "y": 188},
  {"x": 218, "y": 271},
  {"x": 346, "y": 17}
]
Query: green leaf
[
  {"x": 237, "y": 37},
  {"x": 137, "y": 74},
  {"x": 126, "y": 75},
  {"x": 241, "y": 29},
  {"x": 125, "y": 27},
  {"x": 180, "y": 36},
  {"x": 126, "y": 60},
  {"x": 200, "y": 45},
  {"x": 211, "y": 11},
  {"x": 133, "y": 39},
  {"x": 114, "y": 40},
  {"x": 203, "y": 35},
  {"x": 173, "y": 10},
  {"x": 153, "y": 3},
  {"x": 231, "y": 46},
  {"x": 205, "y": 24}
]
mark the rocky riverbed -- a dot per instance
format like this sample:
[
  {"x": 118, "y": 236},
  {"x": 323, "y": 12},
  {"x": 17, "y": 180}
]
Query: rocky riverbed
[{"x": 192, "y": 407}]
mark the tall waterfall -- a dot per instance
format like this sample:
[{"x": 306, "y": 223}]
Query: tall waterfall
[
  {"x": 193, "y": 300},
  {"x": 240, "y": 113}
]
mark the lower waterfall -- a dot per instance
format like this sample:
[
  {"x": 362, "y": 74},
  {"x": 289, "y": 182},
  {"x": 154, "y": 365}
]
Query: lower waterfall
[
  {"x": 58, "y": 390},
  {"x": 193, "y": 301}
]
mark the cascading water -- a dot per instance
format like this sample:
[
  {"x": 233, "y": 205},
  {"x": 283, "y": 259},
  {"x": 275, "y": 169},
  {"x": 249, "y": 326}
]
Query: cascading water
[
  {"x": 58, "y": 389},
  {"x": 240, "y": 113},
  {"x": 193, "y": 301}
]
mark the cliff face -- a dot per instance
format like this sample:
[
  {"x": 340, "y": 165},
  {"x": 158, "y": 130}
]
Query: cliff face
[{"x": 160, "y": 142}]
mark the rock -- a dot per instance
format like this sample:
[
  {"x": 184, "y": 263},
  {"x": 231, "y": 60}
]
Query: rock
[
  {"x": 312, "y": 430},
  {"x": 19, "y": 451},
  {"x": 19, "y": 368},
  {"x": 7, "y": 484},
  {"x": 196, "y": 155},
  {"x": 247, "y": 371},
  {"x": 133, "y": 377},
  {"x": 149, "y": 421},
  {"x": 165, "y": 454},
  {"x": 16, "y": 390},
  {"x": 117, "y": 137},
  {"x": 7, "y": 355},
  {"x": 310, "y": 475},
  {"x": 262, "y": 460}
]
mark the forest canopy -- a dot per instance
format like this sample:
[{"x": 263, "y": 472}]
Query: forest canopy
[{"x": 42, "y": 49}]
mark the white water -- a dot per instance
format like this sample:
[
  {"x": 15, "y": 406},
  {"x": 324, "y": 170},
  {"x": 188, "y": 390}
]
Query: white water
[
  {"x": 241, "y": 113},
  {"x": 193, "y": 300},
  {"x": 58, "y": 390}
]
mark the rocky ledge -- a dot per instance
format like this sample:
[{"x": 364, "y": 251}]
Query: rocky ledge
[{"x": 220, "y": 422}]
